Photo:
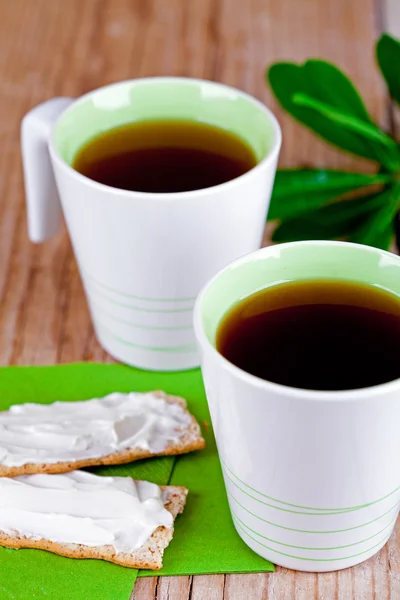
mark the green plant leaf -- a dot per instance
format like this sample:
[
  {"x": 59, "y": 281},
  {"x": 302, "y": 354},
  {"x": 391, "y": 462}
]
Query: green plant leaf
[
  {"x": 300, "y": 190},
  {"x": 383, "y": 238},
  {"x": 349, "y": 122},
  {"x": 336, "y": 220},
  {"x": 295, "y": 181},
  {"x": 325, "y": 83},
  {"x": 377, "y": 229},
  {"x": 388, "y": 56}
]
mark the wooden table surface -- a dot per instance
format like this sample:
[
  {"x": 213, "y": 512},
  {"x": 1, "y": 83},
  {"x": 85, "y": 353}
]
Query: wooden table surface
[{"x": 68, "y": 47}]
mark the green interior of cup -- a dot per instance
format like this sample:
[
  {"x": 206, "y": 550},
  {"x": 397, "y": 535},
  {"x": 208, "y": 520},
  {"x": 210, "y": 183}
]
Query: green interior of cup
[
  {"x": 164, "y": 98},
  {"x": 293, "y": 262}
]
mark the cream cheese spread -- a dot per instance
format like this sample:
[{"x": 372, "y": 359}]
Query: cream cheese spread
[
  {"x": 82, "y": 508},
  {"x": 72, "y": 431}
]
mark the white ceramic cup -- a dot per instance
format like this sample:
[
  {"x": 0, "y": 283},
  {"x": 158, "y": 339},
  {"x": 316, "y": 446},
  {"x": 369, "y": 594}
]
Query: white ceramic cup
[
  {"x": 313, "y": 478},
  {"x": 143, "y": 257}
]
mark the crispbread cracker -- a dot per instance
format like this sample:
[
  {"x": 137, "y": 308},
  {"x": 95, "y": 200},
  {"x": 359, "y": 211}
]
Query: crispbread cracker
[
  {"x": 189, "y": 440},
  {"x": 149, "y": 556}
]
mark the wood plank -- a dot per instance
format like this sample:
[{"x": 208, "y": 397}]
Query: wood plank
[
  {"x": 145, "y": 588},
  {"x": 391, "y": 17},
  {"x": 281, "y": 585},
  {"x": 243, "y": 587},
  {"x": 50, "y": 48},
  {"x": 211, "y": 587},
  {"x": 173, "y": 587}
]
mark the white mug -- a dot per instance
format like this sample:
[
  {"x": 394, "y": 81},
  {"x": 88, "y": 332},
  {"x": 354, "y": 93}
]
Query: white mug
[
  {"x": 313, "y": 478},
  {"x": 143, "y": 257}
]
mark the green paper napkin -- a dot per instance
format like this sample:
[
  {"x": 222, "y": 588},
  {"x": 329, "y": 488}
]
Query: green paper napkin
[{"x": 205, "y": 540}]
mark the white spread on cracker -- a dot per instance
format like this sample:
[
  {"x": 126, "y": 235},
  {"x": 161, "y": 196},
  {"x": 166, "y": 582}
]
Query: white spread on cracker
[
  {"x": 72, "y": 431},
  {"x": 82, "y": 508}
]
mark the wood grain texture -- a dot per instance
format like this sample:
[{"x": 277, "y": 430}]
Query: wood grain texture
[{"x": 57, "y": 47}]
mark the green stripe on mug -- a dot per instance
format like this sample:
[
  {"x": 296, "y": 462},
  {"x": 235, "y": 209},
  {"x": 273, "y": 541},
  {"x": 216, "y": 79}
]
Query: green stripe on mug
[
  {"x": 169, "y": 349},
  {"x": 135, "y": 296},
  {"x": 324, "y": 510},
  {"x": 316, "y": 549},
  {"x": 138, "y": 325},
  {"x": 395, "y": 506},
  {"x": 139, "y": 308},
  {"x": 380, "y": 543}
]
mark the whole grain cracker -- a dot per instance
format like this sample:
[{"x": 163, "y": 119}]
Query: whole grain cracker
[
  {"x": 190, "y": 439},
  {"x": 149, "y": 556}
]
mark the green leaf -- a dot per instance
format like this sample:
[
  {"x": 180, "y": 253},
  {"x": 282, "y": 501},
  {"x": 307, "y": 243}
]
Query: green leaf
[
  {"x": 388, "y": 56},
  {"x": 347, "y": 121},
  {"x": 336, "y": 220},
  {"x": 299, "y": 181},
  {"x": 377, "y": 230},
  {"x": 383, "y": 238},
  {"x": 325, "y": 83},
  {"x": 300, "y": 190}
]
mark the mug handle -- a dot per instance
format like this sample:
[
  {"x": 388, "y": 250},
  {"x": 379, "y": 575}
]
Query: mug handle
[{"x": 42, "y": 202}]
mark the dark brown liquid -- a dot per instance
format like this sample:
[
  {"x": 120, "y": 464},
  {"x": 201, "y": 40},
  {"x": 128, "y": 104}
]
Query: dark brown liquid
[
  {"x": 319, "y": 335},
  {"x": 164, "y": 156}
]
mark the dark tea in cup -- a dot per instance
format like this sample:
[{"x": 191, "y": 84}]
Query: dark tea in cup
[
  {"x": 316, "y": 334},
  {"x": 165, "y": 156}
]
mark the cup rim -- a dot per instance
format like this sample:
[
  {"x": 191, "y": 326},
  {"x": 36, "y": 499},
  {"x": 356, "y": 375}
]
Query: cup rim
[
  {"x": 169, "y": 196},
  {"x": 277, "y": 388}
]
